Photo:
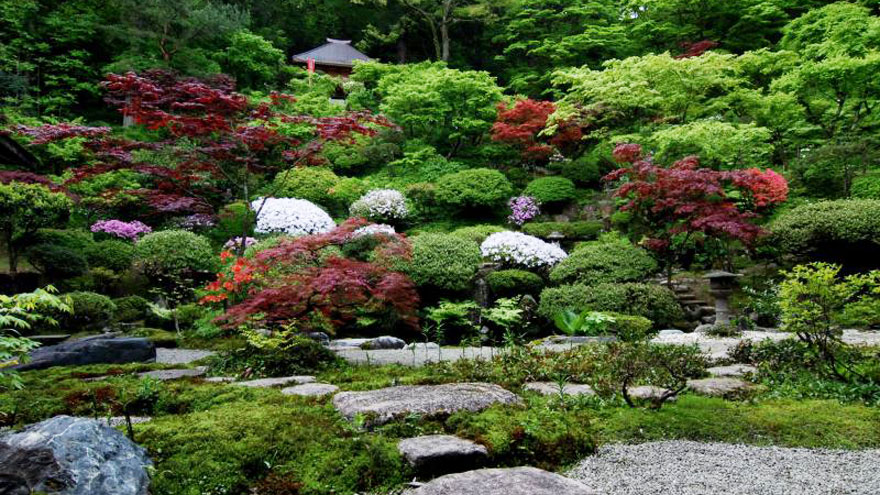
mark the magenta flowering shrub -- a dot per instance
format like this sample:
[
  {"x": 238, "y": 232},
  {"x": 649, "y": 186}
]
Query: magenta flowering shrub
[
  {"x": 118, "y": 228},
  {"x": 234, "y": 243},
  {"x": 522, "y": 209}
]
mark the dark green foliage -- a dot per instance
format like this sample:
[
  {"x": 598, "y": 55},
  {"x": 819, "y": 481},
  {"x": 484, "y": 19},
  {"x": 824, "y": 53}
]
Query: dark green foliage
[
  {"x": 443, "y": 261},
  {"x": 477, "y": 233},
  {"x": 549, "y": 190},
  {"x": 571, "y": 230},
  {"x": 233, "y": 220},
  {"x": 130, "y": 308},
  {"x": 113, "y": 254},
  {"x": 345, "y": 157},
  {"x": 507, "y": 283},
  {"x": 75, "y": 240},
  {"x": 91, "y": 311},
  {"x": 866, "y": 186},
  {"x": 475, "y": 188},
  {"x": 57, "y": 261},
  {"x": 654, "y": 302},
  {"x": 299, "y": 356},
  {"x": 610, "y": 259},
  {"x": 583, "y": 170},
  {"x": 310, "y": 183}
]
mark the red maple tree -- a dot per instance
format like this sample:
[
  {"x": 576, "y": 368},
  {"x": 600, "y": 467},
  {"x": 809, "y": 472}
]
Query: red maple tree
[
  {"x": 521, "y": 127},
  {"x": 675, "y": 205}
]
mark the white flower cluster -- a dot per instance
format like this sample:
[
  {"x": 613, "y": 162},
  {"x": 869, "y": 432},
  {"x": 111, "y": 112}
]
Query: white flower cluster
[
  {"x": 291, "y": 216},
  {"x": 380, "y": 204},
  {"x": 517, "y": 248},
  {"x": 374, "y": 229}
]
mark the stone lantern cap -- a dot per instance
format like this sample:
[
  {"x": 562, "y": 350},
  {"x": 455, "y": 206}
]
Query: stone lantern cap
[
  {"x": 555, "y": 235},
  {"x": 721, "y": 275}
]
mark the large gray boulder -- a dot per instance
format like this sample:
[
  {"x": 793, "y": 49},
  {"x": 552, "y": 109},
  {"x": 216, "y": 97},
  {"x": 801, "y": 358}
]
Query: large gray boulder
[
  {"x": 510, "y": 481},
  {"x": 719, "y": 387},
  {"x": 385, "y": 404},
  {"x": 91, "y": 350},
  {"x": 65, "y": 455},
  {"x": 441, "y": 454}
]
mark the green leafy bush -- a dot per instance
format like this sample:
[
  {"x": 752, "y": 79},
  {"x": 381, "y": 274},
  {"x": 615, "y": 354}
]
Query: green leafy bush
[
  {"x": 828, "y": 227},
  {"x": 443, "y": 261},
  {"x": 57, "y": 261},
  {"x": 474, "y": 188},
  {"x": 630, "y": 328},
  {"x": 91, "y": 311},
  {"x": 571, "y": 230},
  {"x": 866, "y": 186},
  {"x": 654, "y": 302},
  {"x": 549, "y": 190},
  {"x": 583, "y": 170},
  {"x": 610, "y": 259},
  {"x": 344, "y": 156},
  {"x": 74, "y": 240},
  {"x": 477, "y": 233},
  {"x": 232, "y": 220},
  {"x": 130, "y": 308},
  {"x": 296, "y": 356},
  {"x": 346, "y": 191},
  {"x": 174, "y": 253},
  {"x": 506, "y": 283},
  {"x": 309, "y": 183},
  {"x": 113, "y": 254}
]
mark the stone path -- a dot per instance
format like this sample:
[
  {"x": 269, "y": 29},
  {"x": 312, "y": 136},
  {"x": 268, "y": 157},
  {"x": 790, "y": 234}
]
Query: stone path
[
  {"x": 385, "y": 404},
  {"x": 719, "y": 386},
  {"x": 174, "y": 374},
  {"x": 165, "y": 355},
  {"x": 310, "y": 389},
  {"x": 694, "y": 468},
  {"x": 276, "y": 382},
  {"x": 732, "y": 371},
  {"x": 442, "y": 454},
  {"x": 550, "y": 388},
  {"x": 509, "y": 481}
]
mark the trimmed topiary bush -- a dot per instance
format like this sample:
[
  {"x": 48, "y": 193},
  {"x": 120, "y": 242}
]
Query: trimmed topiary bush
[
  {"x": 583, "y": 170},
  {"x": 309, "y": 183},
  {"x": 549, "y": 190},
  {"x": 443, "y": 261},
  {"x": 507, "y": 283},
  {"x": 474, "y": 188},
  {"x": 477, "y": 233},
  {"x": 91, "y": 311},
  {"x": 130, "y": 308},
  {"x": 572, "y": 230},
  {"x": 630, "y": 328},
  {"x": 866, "y": 186},
  {"x": 57, "y": 261},
  {"x": 654, "y": 302},
  {"x": 611, "y": 259},
  {"x": 116, "y": 255},
  {"x": 170, "y": 253}
]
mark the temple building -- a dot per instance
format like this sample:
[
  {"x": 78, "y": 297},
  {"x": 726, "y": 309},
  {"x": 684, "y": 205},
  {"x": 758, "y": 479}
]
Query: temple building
[{"x": 336, "y": 57}]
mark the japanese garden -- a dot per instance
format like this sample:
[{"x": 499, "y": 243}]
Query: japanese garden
[{"x": 428, "y": 247}]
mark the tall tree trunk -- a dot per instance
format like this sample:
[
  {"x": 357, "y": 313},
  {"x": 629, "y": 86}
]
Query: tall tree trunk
[
  {"x": 444, "y": 40},
  {"x": 401, "y": 50}
]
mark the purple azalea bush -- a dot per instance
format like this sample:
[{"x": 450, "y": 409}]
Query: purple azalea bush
[
  {"x": 522, "y": 209},
  {"x": 235, "y": 242},
  {"x": 119, "y": 228}
]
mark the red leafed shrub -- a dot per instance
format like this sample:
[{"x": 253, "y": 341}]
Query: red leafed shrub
[
  {"x": 299, "y": 283},
  {"x": 674, "y": 205},
  {"x": 695, "y": 49},
  {"x": 521, "y": 125}
]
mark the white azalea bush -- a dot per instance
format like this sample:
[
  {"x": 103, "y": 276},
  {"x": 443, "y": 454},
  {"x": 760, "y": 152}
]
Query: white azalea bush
[
  {"x": 290, "y": 216},
  {"x": 381, "y": 205},
  {"x": 374, "y": 229},
  {"x": 516, "y": 248}
]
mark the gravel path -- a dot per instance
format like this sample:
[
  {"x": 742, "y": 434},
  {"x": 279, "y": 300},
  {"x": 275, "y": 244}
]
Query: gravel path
[
  {"x": 166, "y": 355},
  {"x": 718, "y": 347},
  {"x": 694, "y": 468}
]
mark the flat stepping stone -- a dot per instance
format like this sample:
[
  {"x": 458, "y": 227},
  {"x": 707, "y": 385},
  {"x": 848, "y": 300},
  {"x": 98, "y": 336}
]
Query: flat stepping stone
[
  {"x": 165, "y": 375},
  {"x": 310, "y": 389},
  {"x": 648, "y": 392},
  {"x": 385, "y": 404},
  {"x": 50, "y": 339},
  {"x": 277, "y": 382},
  {"x": 220, "y": 379},
  {"x": 509, "y": 481},
  {"x": 550, "y": 388},
  {"x": 732, "y": 371},
  {"x": 165, "y": 355},
  {"x": 442, "y": 454},
  {"x": 719, "y": 387}
]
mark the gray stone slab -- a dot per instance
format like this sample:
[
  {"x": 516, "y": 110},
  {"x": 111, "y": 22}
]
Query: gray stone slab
[
  {"x": 509, "y": 481},
  {"x": 719, "y": 387},
  {"x": 648, "y": 392},
  {"x": 442, "y": 454},
  {"x": 732, "y": 371},
  {"x": 311, "y": 389},
  {"x": 550, "y": 388},
  {"x": 276, "y": 382},
  {"x": 175, "y": 374},
  {"x": 383, "y": 405},
  {"x": 166, "y": 355}
]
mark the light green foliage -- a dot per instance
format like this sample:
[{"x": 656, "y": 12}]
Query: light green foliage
[
  {"x": 828, "y": 226},
  {"x": 309, "y": 183},
  {"x": 19, "y": 313},
  {"x": 610, "y": 259},
  {"x": 443, "y": 261},
  {"x": 24, "y": 208},
  {"x": 90, "y": 311},
  {"x": 174, "y": 253},
  {"x": 866, "y": 186},
  {"x": 346, "y": 156},
  {"x": 113, "y": 254},
  {"x": 514, "y": 282},
  {"x": 838, "y": 29},
  {"x": 252, "y": 60},
  {"x": 572, "y": 230},
  {"x": 233, "y": 220},
  {"x": 720, "y": 145},
  {"x": 548, "y": 190},
  {"x": 420, "y": 163},
  {"x": 477, "y": 233},
  {"x": 654, "y": 302},
  {"x": 505, "y": 313},
  {"x": 474, "y": 188},
  {"x": 584, "y": 323},
  {"x": 346, "y": 191}
]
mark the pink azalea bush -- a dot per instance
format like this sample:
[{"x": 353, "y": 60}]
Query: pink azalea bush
[{"x": 118, "y": 228}]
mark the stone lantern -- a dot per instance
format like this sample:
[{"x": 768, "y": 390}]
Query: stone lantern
[
  {"x": 555, "y": 238},
  {"x": 721, "y": 286}
]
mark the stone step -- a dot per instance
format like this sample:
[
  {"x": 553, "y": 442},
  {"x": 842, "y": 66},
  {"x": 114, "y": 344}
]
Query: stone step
[
  {"x": 550, "y": 388},
  {"x": 435, "y": 455},
  {"x": 506, "y": 481},
  {"x": 311, "y": 389},
  {"x": 732, "y": 371},
  {"x": 174, "y": 374},
  {"x": 719, "y": 387},
  {"x": 276, "y": 382}
]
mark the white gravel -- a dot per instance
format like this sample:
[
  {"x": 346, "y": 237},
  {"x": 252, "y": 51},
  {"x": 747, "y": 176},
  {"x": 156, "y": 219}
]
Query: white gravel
[
  {"x": 694, "y": 468},
  {"x": 718, "y": 347}
]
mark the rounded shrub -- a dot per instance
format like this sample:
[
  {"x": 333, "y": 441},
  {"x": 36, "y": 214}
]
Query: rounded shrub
[
  {"x": 654, "y": 302},
  {"x": 474, "y": 188},
  {"x": 57, "y": 261},
  {"x": 630, "y": 328},
  {"x": 130, "y": 308},
  {"x": 583, "y": 170},
  {"x": 507, "y": 283},
  {"x": 91, "y": 311},
  {"x": 443, "y": 261},
  {"x": 846, "y": 230},
  {"x": 477, "y": 233},
  {"x": 174, "y": 253},
  {"x": 344, "y": 156},
  {"x": 610, "y": 259},
  {"x": 113, "y": 254},
  {"x": 74, "y": 240},
  {"x": 381, "y": 205},
  {"x": 309, "y": 183},
  {"x": 548, "y": 190},
  {"x": 346, "y": 192},
  {"x": 866, "y": 186}
]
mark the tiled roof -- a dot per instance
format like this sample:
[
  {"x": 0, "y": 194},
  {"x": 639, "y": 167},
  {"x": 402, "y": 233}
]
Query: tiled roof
[{"x": 334, "y": 52}]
